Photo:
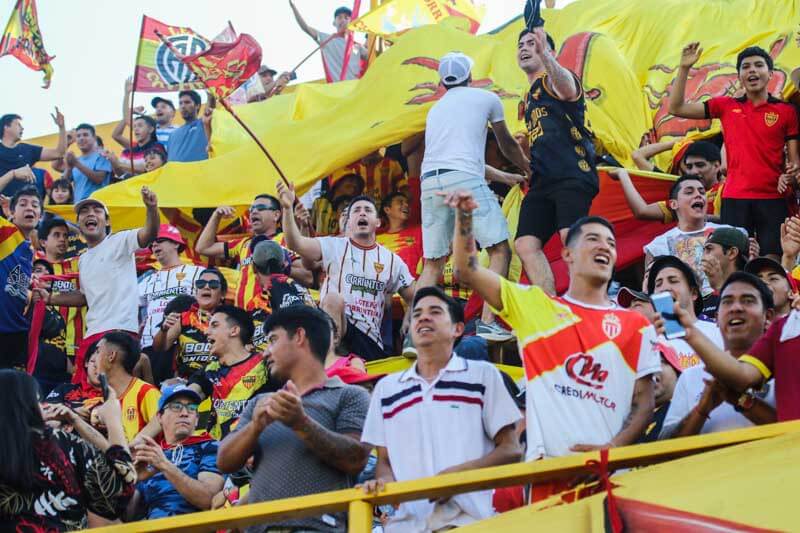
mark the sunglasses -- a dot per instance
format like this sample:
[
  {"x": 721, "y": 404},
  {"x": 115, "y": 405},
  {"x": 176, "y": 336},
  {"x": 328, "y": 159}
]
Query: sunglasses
[
  {"x": 177, "y": 407},
  {"x": 263, "y": 207},
  {"x": 210, "y": 283}
]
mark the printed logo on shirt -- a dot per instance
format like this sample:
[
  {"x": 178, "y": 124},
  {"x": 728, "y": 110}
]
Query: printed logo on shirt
[
  {"x": 130, "y": 414},
  {"x": 771, "y": 118},
  {"x": 290, "y": 299},
  {"x": 612, "y": 326},
  {"x": 63, "y": 286},
  {"x": 17, "y": 283},
  {"x": 378, "y": 267},
  {"x": 196, "y": 347},
  {"x": 364, "y": 285},
  {"x": 180, "y": 276},
  {"x": 583, "y": 369},
  {"x": 249, "y": 381}
]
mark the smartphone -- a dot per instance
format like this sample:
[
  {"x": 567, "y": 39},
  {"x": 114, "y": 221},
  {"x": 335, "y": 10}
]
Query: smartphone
[
  {"x": 665, "y": 305},
  {"x": 103, "y": 385}
]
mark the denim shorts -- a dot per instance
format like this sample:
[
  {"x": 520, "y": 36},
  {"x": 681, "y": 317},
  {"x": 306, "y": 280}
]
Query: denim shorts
[{"x": 438, "y": 220}]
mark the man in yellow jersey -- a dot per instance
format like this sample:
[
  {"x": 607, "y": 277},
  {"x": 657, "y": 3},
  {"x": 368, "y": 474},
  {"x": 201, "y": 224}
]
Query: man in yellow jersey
[{"x": 588, "y": 363}]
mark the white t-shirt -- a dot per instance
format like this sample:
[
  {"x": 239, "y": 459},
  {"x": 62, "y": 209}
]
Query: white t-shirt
[
  {"x": 156, "y": 291},
  {"x": 364, "y": 277},
  {"x": 686, "y": 246},
  {"x": 455, "y": 130},
  {"x": 108, "y": 280},
  {"x": 687, "y": 356},
  {"x": 427, "y": 427},
  {"x": 689, "y": 390}
]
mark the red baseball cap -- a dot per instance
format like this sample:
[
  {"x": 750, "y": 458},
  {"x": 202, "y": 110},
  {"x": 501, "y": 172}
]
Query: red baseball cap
[{"x": 170, "y": 233}]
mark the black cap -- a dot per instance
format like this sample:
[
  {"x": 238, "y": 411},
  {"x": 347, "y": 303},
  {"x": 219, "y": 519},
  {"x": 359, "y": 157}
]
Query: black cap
[
  {"x": 155, "y": 101},
  {"x": 346, "y": 10},
  {"x": 47, "y": 225},
  {"x": 670, "y": 261}
]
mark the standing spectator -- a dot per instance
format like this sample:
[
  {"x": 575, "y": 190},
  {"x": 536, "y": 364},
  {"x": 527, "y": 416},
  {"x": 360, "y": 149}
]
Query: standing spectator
[
  {"x": 571, "y": 345},
  {"x": 455, "y": 146},
  {"x": 270, "y": 84},
  {"x": 360, "y": 273},
  {"x": 16, "y": 264},
  {"x": 160, "y": 286},
  {"x": 180, "y": 472},
  {"x": 51, "y": 479},
  {"x": 189, "y": 142},
  {"x": 90, "y": 171},
  {"x": 143, "y": 130},
  {"x": 725, "y": 252},
  {"x": 188, "y": 328},
  {"x": 117, "y": 355},
  {"x": 305, "y": 437},
  {"x": 670, "y": 274},
  {"x": 703, "y": 405},
  {"x": 757, "y": 127},
  {"x": 341, "y": 55},
  {"x": 54, "y": 241},
  {"x": 447, "y": 395},
  {"x": 17, "y": 158},
  {"x": 113, "y": 301},
  {"x": 564, "y": 178},
  {"x": 778, "y": 282},
  {"x": 165, "y": 113}
]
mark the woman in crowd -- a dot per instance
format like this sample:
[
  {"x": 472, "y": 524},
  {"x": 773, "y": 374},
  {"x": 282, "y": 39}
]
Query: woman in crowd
[{"x": 61, "y": 193}]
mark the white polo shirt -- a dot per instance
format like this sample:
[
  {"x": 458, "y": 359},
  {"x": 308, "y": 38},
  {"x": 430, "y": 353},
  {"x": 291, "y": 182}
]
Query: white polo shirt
[{"x": 427, "y": 427}]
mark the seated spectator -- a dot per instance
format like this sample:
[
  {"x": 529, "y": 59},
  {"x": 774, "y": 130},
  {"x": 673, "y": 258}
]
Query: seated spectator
[
  {"x": 686, "y": 240},
  {"x": 50, "y": 479},
  {"x": 165, "y": 113},
  {"x": 305, "y": 437},
  {"x": 670, "y": 274},
  {"x": 425, "y": 396},
  {"x": 702, "y": 404},
  {"x": 324, "y": 210},
  {"x": 81, "y": 398},
  {"x": 360, "y": 274},
  {"x": 189, "y": 142},
  {"x": 777, "y": 280},
  {"x": 90, "y": 171},
  {"x": 277, "y": 289},
  {"x": 188, "y": 329},
  {"x": 17, "y": 158},
  {"x": 726, "y": 251},
  {"x": 178, "y": 474}
]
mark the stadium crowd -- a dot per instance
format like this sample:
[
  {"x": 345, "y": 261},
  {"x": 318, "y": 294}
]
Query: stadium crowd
[{"x": 222, "y": 358}]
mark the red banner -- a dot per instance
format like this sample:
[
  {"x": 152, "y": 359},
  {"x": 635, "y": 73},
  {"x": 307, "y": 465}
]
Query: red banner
[
  {"x": 158, "y": 68},
  {"x": 225, "y": 66}
]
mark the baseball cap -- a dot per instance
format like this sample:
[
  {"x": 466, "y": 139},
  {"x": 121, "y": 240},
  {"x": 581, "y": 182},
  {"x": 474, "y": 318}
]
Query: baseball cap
[
  {"x": 731, "y": 238},
  {"x": 670, "y": 355},
  {"x": 171, "y": 233},
  {"x": 268, "y": 257},
  {"x": 455, "y": 68},
  {"x": 265, "y": 69},
  {"x": 90, "y": 201},
  {"x": 168, "y": 392},
  {"x": 155, "y": 101},
  {"x": 670, "y": 261},
  {"x": 758, "y": 264},
  {"x": 626, "y": 296}
]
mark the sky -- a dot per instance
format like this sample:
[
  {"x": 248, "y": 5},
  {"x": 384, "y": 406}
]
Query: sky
[{"x": 94, "y": 43}]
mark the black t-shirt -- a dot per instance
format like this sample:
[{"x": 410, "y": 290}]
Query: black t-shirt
[{"x": 12, "y": 158}]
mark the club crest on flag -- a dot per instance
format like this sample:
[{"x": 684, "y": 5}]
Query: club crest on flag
[
  {"x": 612, "y": 326},
  {"x": 771, "y": 118},
  {"x": 171, "y": 68}
]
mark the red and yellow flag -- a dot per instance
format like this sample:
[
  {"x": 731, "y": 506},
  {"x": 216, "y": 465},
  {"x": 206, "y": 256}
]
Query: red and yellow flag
[
  {"x": 158, "y": 69},
  {"x": 397, "y": 16},
  {"x": 225, "y": 66},
  {"x": 22, "y": 39}
]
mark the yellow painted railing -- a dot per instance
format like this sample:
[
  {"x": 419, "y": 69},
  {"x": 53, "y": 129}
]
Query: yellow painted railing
[{"x": 360, "y": 505}]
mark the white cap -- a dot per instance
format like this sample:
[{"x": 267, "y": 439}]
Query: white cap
[{"x": 455, "y": 67}]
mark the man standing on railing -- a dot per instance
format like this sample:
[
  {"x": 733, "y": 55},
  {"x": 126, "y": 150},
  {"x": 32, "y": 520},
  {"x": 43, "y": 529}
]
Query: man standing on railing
[{"x": 443, "y": 415}]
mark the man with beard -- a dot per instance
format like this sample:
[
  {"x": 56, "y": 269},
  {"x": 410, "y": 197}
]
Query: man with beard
[
  {"x": 757, "y": 128},
  {"x": 90, "y": 171},
  {"x": 189, "y": 142},
  {"x": 165, "y": 112},
  {"x": 107, "y": 273}
]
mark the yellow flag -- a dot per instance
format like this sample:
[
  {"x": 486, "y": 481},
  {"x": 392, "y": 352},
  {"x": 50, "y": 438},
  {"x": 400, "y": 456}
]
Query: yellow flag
[
  {"x": 397, "y": 16},
  {"x": 22, "y": 39}
]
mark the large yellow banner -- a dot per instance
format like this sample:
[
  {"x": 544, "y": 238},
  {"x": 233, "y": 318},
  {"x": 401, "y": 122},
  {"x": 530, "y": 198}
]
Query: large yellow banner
[{"x": 625, "y": 51}]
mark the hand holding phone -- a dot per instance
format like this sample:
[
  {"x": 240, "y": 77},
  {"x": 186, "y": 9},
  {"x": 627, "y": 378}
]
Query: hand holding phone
[{"x": 665, "y": 306}]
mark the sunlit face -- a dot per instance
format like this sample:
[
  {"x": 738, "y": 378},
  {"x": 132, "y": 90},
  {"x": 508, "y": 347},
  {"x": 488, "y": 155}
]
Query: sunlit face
[
  {"x": 179, "y": 417},
  {"x": 690, "y": 203},
  {"x": 341, "y": 21},
  {"x": 164, "y": 113},
  {"x": 431, "y": 323},
  {"x": 85, "y": 140},
  {"x": 60, "y": 195},
  {"x": 363, "y": 220},
  {"x": 189, "y": 109},
  {"x": 712, "y": 250},
  {"x": 152, "y": 161},
  {"x": 165, "y": 250},
  {"x": 27, "y": 212},
  {"x": 779, "y": 286},
  {"x": 694, "y": 165},
  {"x": 93, "y": 370},
  {"x": 92, "y": 222},
  {"x": 280, "y": 354},
  {"x": 754, "y": 74},
  {"x": 14, "y": 130},
  {"x": 672, "y": 280},
  {"x": 592, "y": 254},
  {"x": 398, "y": 209},
  {"x": 208, "y": 291},
  {"x": 221, "y": 334},
  {"x": 741, "y": 316},
  {"x": 264, "y": 216},
  {"x": 55, "y": 245},
  {"x": 142, "y": 131},
  {"x": 527, "y": 59}
]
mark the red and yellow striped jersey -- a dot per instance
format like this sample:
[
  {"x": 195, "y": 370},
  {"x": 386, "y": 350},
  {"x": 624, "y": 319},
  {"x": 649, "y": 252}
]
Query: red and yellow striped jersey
[
  {"x": 406, "y": 243},
  {"x": 581, "y": 364},
  {"x": 139, "y": 404},
  {"x": 380, "y": 178},
  {"x": 74, "y": 317}
]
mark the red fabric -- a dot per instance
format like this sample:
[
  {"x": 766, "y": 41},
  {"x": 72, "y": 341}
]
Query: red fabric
[
  {"x": 754, "y": 141},
  {"x": 508, "y": 498},
  {"x": 39, "y": 309},
  {"x": 642, "y": 516},
  {"x": 781, "y": 358},
  {"x": 190, "y": 441},
  {"x": 223, "y": 67}
]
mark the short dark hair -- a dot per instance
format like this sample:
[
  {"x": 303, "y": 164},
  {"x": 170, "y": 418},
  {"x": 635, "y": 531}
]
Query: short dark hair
[
  {"x": 239, "y": 317},
  {"x": 751, "y": 51},
  {"x": 7, "y": 120},
  {"x": 676, "y": 187},
  {"x": 453, "y": 307},
  {"x": 222, "y": 281},
  {"x": 194, "y": 95},
  {"x": 754, "y": 281},
  {"x": 27, "y": 190},
  {"x": 550, "y": 40},
  {"x": 47, "y": 265},
  {"x": 464, "y": 83},
  {"x": 157, "y": 149},
  {"x": 85, "y": 126},
  {"x": 310, "y": 319},
  {"x": 128, "y": 345},
  {"x": 361, "y": 198},
  {"x": 387, "y": 201},
  {"x": 150, "y": 120},
  {"x": 62, "y": 183},
  {"x": 339, "y": 10},
  {"x": 275, "y": 202},
  {"x": 47, "y": 226},
  {"x": 707, "y": 150},
  {"x": 576, "y": 229}
]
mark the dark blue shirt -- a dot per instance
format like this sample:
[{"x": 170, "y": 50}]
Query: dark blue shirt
[{"x": 12, "y": 158}]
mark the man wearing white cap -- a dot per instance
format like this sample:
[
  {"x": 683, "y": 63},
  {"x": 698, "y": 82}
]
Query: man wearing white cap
[
  {"x": 455, "y": 144},
  {"x": 108, "y": 284}
]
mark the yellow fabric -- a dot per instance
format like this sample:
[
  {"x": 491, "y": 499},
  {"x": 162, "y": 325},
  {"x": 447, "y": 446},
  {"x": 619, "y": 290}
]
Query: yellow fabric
[
  {"x": 397, "y": 16},
  {"x": 511, "y": 206},
  {"x": 138, "y": 406},
  {"x": 400, "y": 363},
  {"x": 622, "y": 49}
]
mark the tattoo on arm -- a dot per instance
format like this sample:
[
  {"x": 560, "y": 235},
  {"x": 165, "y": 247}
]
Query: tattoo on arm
[
  {"x": 340, "y": 451},
  {"x": 559, "y": 76}
]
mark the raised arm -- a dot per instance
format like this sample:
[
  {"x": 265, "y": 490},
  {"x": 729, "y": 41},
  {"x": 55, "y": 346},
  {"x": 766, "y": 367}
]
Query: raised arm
[
  {"x": 678, "y": 105},
  {"x": 559, "y": 79},
  {"x": 168, "y": 332},
  {"x": 790, "y": 242},
  {"x": 641, "y": 156},
  {"x": 207, "y": 241},
  {"x": 465, "y": 257},
  {"x": 510, "y": 147},
  {"x": 302, "y": 23},
  {"x": 147, "y": 234},
  {"x": 49, "y": 154},
  {"x": 307, "y": 247},
  {"x": 119, "y": 130},
  {"x": 639, "y": 207}
]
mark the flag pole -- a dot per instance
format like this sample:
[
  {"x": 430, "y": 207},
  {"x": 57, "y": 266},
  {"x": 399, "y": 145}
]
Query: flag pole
[
  {"x": 300, "y": 64},
  {"x": 133, "y": 91},
  {"x": 227, "y": 108}
]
